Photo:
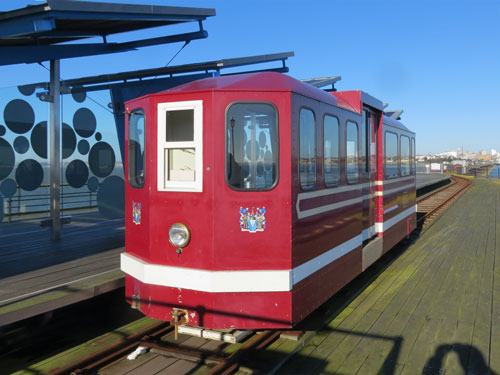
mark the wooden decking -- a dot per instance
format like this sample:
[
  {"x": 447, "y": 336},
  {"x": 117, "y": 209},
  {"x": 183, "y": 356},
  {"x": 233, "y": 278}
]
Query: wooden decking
[
  {"x": 38, "y": 275},
  {"x": 434, "y": 310},
  {"x": 428, "y": 307}
]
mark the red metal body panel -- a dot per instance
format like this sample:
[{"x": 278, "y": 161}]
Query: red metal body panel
[
  {"x": 214, "y": 310},
  {"x": 310, "y": 293}
]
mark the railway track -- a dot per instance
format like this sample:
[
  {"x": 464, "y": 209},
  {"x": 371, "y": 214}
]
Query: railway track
[
  {"x": 155, "y": 338},
  {"x": 433, "y": 204}
]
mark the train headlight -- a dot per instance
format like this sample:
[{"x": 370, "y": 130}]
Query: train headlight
[{"x": 179, "y": 235}]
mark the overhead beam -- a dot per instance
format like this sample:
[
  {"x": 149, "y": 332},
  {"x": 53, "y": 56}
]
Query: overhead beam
[
  {"x": 33, "y": 54},
  {"x": 20, "y": 27}
]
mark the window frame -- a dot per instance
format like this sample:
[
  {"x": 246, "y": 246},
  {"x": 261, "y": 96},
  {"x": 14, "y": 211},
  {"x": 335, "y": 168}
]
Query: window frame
[
  {"x": 338, "y": 151},
  {"x": 397, "y": 154},
  {"x": 133, "y": 185},
  {"x": 413, "y": 157},
  {"x": 352, "y": 182},
  {"x": 163, "y": 146},
  {"x": 401, "y": 155},
  {"x": 315, "y": 184},
  {"x": 277, "y": 159}
]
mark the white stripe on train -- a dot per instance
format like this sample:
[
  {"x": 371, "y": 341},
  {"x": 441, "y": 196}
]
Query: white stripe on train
[
  {"x": 334, "y": 206},
  {"x": 242, "y": 281}
]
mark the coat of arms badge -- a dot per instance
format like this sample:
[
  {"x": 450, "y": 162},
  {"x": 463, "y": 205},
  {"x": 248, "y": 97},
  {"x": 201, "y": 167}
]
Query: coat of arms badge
[
  {"x": 136, "y": 213},
  {"x": 252, "y": 220}
]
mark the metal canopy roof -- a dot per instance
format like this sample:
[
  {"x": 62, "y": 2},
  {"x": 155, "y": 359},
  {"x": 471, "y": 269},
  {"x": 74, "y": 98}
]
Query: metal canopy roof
[
  {"x": 33, "y": 34},
  {"x": 207, "y": 66},
  {"x": 322, "y": 82},
  {"x": 138, "y": 75},
  {"x": 395, "y": 114}
]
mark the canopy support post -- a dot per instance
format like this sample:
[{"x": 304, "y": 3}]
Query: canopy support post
[{"x": 55, "y": 149}]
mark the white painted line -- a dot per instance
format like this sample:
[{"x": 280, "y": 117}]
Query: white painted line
[{"x": 13, "y": 299}]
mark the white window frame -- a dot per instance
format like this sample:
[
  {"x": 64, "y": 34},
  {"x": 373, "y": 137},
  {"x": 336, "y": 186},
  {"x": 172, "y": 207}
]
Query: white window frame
[{"x": 164, "y": 146}]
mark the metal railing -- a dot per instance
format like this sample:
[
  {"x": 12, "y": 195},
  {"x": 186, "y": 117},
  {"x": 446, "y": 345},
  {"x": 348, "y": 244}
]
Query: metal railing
[{"x": 28, "y": 203}]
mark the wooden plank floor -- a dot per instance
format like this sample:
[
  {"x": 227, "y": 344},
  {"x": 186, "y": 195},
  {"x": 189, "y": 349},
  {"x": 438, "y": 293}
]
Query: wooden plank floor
[
  {"x": 25, "y": 246},
  {"x": 434, "y": 310},
  {"x": 38, "y": 275}
]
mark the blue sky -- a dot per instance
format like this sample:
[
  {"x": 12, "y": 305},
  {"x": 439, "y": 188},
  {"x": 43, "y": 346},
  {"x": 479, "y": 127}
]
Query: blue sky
[{"x": 439, "y": 61}]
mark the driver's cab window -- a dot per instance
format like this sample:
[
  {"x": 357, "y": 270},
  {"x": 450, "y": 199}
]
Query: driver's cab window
[{"x": 136, "y": 148}]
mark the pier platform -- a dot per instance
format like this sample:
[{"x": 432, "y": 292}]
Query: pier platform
[
  {"x": 435, "y": 308},
  {"x": 425, "y": 180},
  {"x": 38, "y": 275}
]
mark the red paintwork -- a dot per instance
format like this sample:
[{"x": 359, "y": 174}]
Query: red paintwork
[
  {"x": 350, "y": 100},
  {"x": 221, "y": 310},
  {"x": 212, "y": 215}
]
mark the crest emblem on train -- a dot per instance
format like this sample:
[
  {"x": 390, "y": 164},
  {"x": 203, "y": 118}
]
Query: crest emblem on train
[
  {"x": 136, "y": 213},
  {"x": 252, "y": 220}
]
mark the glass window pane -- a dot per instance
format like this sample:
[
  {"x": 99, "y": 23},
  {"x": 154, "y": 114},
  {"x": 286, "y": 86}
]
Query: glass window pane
[
  {"x": 352, "y": 152},
  {"x": 251, "y": 146},
  {"x": 136, "y": 146},
  {"x": 331, "y": 151},
  {"x": 307, "y": 161},
  {"x": 391, "y": 155},
  {"x": 405, "y": 156},
  {"x": 180, "y": 126},
  {"x": 181, "y": 164}
]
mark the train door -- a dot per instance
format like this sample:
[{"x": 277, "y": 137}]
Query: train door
[{"x": 368, "y": 170}]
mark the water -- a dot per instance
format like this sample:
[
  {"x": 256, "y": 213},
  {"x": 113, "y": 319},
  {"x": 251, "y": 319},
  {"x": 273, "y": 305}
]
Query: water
[{"x": 495, "y": 173}]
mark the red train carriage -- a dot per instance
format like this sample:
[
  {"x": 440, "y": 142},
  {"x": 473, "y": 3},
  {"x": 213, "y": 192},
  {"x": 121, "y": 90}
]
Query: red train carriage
[{"x": 253, "y": 198}]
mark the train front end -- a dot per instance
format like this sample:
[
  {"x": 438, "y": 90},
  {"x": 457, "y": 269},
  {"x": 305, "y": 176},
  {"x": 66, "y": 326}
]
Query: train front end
[{"x": 208, "y": 204}]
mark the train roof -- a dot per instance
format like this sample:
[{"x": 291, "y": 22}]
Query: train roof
[
  {"x": 397, "y": 124},
  {"x": 266, "y": 81}
]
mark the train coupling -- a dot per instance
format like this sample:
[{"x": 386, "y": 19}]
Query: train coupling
[{"x": 179, "y": 317}]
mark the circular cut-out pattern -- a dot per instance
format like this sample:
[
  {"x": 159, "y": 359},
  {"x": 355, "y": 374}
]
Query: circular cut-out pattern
[
  {"x": 7, "y": 158},
  {"x": 39, "y": 139},
  {"x": 29, "y": 174},
  {"x": 19, "y": 116},
  {"x": 68, "y": 141},
  {"x": 262, "y": 139},
  {"x": 84, "y": 122},
  {"x": 101, "y": 159},
  {"x": 83, "y": 147},
  {"x": 2, "y": 130},
  {"x": 77, "y": 173},
  {"x": 93, "y": 184},
  {"x": 111, "y": 197},
  {"x": 21, "y": 144},
  {"x": 78, "y": 95},
  {"x": 26, "y": 90},
  {"x": 8, "y": 188},
  {"x": 98, "y": 136}
]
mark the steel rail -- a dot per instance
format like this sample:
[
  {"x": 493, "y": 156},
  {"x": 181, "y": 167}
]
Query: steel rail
[
  {"x": 114, "y": 352},
  {"x": 441, "y": 199}
]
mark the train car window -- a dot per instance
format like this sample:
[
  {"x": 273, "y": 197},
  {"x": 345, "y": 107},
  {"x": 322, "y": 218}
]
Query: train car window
[
  {"x": 391, "y": 155},
  {"x": 136, "y": 148},
  {"x": 252, "y": 146},
  {"x": 180, "y": 136},
  {"x": 413, "y": 153},
  {"x": 307, "y": 146},
  {"x": 331, "y": 167},
  {"x": 405, "y": 155},
  {"x": 352, "y": 152}
]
